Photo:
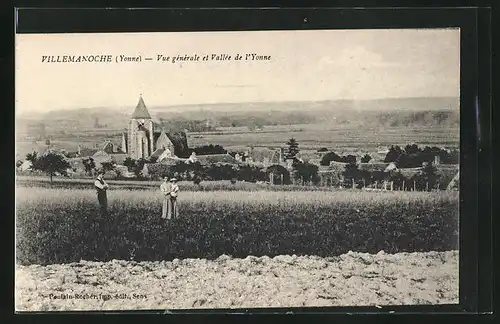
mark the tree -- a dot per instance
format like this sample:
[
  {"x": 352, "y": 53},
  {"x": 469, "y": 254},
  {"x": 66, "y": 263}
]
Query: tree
[
  {"x": 130, "y": 164},
  {"x": 293, "y": 148},
  {"x": 329, "y": 157},
  {"x": 366, "y": 158},
  {"x": 108, "y": 166},
  {"x": 351, "y": 172},
  {"x": 393, "y": 154},
  {"x": 32, "y": 157},
  {"x": 412, "y": 149},
  {"x": 51, "y": 163},
  {"x": 406, "y": 160},
  {"x": 179, "y": 140},
  {"x": 197, "y": 172},
  {"x": 398, "y": 180},
  {"x": 89, "y": 165},
  {"x": 428, "y": 175},
  {"x": 350, "y": 159},
  {"x": 210, "y": 149},
  {"x": 251, "y": 174},
  {"x": 139, "y": 165},
  {"x": 306, "y": 172}
]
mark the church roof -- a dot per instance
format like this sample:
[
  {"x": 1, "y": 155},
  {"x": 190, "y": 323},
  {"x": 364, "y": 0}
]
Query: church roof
[{"x": 141, "y": 112}]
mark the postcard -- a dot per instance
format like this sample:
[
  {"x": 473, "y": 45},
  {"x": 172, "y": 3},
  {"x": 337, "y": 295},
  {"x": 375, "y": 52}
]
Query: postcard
[{"x": 237, "y": 169}]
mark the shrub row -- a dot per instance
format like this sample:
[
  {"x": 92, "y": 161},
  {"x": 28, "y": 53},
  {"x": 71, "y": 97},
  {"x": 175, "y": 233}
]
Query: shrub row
[{"x": 52, "y": 229}]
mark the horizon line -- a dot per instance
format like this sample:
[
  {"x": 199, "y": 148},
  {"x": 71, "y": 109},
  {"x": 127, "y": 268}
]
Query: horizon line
[{"x": 234, "y": 102}]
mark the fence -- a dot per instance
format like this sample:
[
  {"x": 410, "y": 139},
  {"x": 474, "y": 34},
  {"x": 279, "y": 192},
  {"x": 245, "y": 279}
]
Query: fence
[{"x": 332, "y": 180}]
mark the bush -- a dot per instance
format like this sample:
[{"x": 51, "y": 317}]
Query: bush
[{"x": 58, "y": 226}]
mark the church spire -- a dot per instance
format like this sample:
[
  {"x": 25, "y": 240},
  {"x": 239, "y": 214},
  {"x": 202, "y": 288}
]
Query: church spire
[{"x": 141, "y": 112}]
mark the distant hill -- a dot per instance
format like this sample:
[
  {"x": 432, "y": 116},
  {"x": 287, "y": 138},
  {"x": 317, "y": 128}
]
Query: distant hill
[
  {"x": 434, "y": 103},
  {"x": 387, "y": 112}
]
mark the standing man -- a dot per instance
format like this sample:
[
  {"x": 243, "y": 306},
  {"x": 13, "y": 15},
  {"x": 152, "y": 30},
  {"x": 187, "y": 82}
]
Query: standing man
[{"x": 101, "y": 187}]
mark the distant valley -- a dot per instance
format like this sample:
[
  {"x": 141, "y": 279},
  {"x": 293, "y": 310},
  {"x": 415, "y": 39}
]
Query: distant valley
[{"x": 368, "y": 113}]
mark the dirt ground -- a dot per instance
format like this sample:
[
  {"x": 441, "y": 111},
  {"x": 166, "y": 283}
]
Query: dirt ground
[{"x": 352, "y": 279}]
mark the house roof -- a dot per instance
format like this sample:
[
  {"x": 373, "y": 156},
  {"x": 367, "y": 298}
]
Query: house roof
[
  {"x": 141, "y": 112},
  {"x": 157, "y": 153},
  {"x": 371, "y": 167},
  {"x": 216, "y": 158},
  {"x": 337, "y": 166},
  {"x": 87, "y": 152},
  {"x": 169, "y": 161},
  {"x": 455, "y": 182},
  {"x": 100, "y": 153},
  {"x": 107, "y": 143},
  {"x": 409, "y": 172},
  {"x": 261, "y": 153}
]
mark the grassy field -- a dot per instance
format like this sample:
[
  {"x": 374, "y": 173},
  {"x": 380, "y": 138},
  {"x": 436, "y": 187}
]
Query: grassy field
[
  {"x": 129, "y": 198},
  {"x": 64, "y": 225}
]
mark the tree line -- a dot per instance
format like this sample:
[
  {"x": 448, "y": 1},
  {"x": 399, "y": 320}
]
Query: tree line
[
  {"x": 412, "y": 156},
  {"x": 426, "y": 178}
]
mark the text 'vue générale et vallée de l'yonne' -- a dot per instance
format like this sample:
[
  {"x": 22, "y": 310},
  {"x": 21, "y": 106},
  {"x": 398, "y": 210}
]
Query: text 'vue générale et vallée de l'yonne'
[{"x": 161, "y": 58}]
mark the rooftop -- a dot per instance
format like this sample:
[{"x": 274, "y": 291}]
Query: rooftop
[{"x": 141, "y": 112}]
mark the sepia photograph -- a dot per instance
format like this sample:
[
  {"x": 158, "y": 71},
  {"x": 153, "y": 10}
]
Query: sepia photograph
[{"x": 237, "y": 169}]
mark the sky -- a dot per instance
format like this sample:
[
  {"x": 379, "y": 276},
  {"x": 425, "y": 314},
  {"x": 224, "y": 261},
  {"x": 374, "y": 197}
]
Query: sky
[{"x": 304, "y": 66}]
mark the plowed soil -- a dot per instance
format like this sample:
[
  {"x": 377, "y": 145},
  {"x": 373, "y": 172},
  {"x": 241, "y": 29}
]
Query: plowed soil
[{"x": 352, "y": 279}]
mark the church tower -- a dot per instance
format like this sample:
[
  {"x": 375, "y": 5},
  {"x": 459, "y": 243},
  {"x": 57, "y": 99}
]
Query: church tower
[{"x": 140, "y": 132}]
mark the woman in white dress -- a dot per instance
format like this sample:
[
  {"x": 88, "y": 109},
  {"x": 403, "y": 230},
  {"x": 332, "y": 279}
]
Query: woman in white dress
[{"x": 170, "y": 192}]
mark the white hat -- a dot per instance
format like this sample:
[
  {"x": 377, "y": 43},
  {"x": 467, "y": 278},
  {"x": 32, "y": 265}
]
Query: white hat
[{"x": 173, "y": 179}]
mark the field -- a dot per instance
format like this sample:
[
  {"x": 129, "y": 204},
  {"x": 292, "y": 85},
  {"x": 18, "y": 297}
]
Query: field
[
  {"x": 311, "y": 137},
  {"x": 351, "y": 279},
  {"x": 60, "y": 225},
  {"x": 256, "y": 248},
  {"x": 338, "y": 138}
]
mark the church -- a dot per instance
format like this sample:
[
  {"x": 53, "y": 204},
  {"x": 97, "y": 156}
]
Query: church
[{"x": 144, "y": 138}]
